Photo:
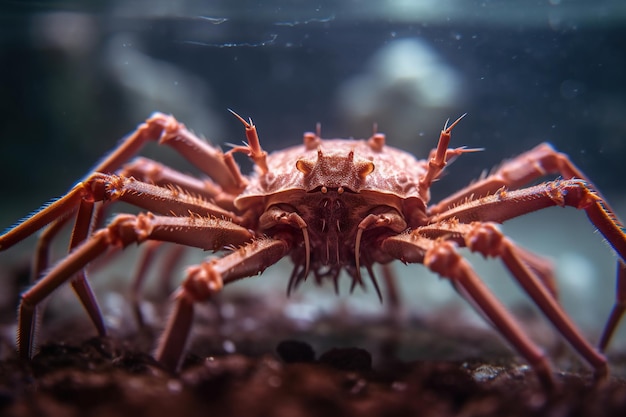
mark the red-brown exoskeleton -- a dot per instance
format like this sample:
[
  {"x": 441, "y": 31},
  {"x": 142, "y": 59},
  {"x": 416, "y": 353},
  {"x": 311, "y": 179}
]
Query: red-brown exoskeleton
[{"x": 331, "y": 206}]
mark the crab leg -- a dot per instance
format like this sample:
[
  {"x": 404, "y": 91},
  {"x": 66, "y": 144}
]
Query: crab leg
[
  {"x": 59, "y": 209},
  {"x": 41, "y": 259},
  {"x": 147, "y": 258},
  {"x": 619, "y": 308},
  {"x": 488, "y": 240},
  {"x": 541, "y": 267},
  {"x": 158, "y": 127},
  {"x": 153, "y": 172},
  {"x": 166, "y": 272},
  {"x": 80, "y": 285},
  {"x": 167, "y": 130},
  {"x": 102, "y": 187},
  {"x": 484, "y": 239},
  {"x": 505, "y": 205},
  {"x": 157, "y": 199},
  {"x": 205, "y": 280},
  {"x": 455, "y": 231},
  {"x": 202, "y": 232},
  {"x": 441, "y": 257},
  {"x": 169, "y": 263},
  {"x": 540, "y": 161},
  {"x": 105, "y": 187}
]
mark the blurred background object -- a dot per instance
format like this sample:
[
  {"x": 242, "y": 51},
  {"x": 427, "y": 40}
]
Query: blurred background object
[{"x": 405, "y": 86}]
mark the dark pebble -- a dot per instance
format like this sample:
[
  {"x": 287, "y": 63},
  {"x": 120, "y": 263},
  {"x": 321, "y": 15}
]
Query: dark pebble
[{"x": 294, "y": 351}]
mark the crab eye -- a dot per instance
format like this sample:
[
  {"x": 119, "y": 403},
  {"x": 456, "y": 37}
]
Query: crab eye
[
  {"x": 365, "y": 168},
  {"x": 324, "y": 190},
  {"x": 304, "y": 166}
]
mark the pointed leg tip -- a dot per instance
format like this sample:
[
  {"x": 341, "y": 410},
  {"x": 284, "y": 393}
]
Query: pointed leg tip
[{"x": 241, "y": 119}]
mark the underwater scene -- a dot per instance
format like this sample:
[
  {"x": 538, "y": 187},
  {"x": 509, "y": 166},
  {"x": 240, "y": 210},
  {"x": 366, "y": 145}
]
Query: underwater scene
[{"x": 77, "y": 78}]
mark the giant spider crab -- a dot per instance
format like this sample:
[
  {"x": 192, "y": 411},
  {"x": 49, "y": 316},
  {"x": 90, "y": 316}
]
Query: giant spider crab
[{"x": 331, "y": 205}]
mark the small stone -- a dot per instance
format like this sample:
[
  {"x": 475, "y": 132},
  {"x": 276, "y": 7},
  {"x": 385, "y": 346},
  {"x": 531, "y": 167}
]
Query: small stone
[
  {"x": 348, "y": 359},
  {"x": 294, "y": 351}
]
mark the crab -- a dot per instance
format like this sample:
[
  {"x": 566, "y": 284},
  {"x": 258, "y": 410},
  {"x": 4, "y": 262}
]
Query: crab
[{"x": 332, "y": 206}]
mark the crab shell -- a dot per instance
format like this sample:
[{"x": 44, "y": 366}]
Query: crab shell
[{"x": 379, "y": 174}]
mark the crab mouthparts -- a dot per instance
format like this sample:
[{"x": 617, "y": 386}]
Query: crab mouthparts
[{"x": 332, "y": 243}]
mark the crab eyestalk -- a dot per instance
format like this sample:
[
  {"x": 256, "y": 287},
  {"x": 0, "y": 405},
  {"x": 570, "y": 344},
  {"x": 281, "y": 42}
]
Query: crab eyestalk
[
  {"x": 437, "y": 163},
  {"x": 253, "y": 147}
]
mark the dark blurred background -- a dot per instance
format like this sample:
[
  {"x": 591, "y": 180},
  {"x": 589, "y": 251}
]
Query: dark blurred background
[{"x": 75, "y": 78}]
